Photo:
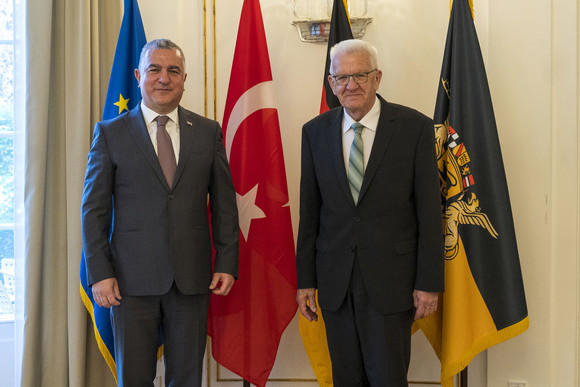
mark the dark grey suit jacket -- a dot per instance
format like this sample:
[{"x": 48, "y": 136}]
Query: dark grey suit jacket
[
  {"x": 395, "y": 229},
  {"x": 158, "y": 234}
]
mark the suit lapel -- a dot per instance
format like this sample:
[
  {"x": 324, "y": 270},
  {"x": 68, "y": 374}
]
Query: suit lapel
[
  {"x": 385, "y": 130},
  {"x": 186, "y": 136},
  {"x": 336, "y": 153},
  {"x": 138, "y": 129}
]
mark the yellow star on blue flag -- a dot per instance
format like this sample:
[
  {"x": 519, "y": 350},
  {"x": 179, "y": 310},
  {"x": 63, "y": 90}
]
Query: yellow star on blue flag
[
  {"x": 122, "y": 82},
  {"x": 122, "y": 103}
]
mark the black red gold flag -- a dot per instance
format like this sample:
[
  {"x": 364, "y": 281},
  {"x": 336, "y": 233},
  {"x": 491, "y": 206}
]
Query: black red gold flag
[
  {"x": 339, "y": 31},
  {"x": 484, "y": 302},
  {"x": 314, "y": 334}
]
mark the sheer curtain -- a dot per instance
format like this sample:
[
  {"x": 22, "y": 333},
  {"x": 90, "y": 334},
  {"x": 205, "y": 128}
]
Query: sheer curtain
[
  {"x": 19, "y": 162},
  {"x": 69, "y": 47}
]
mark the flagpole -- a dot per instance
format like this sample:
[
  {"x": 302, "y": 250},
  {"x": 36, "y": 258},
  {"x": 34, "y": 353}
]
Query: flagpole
[
  {"x": 214, "y": 18},
  {"x": 245, "y": 383},
  {"x": 463, "y": 378}
]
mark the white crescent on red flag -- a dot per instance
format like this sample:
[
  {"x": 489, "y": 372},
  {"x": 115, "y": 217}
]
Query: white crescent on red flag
[{"x": 246, "y": 325}]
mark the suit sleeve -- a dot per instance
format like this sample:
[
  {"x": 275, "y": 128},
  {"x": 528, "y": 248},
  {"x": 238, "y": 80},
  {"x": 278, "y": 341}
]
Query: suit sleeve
[
  {"x": 224, "y": 211},
  {"x": 430, "y": 262},
  {"x": 97, "y": 210},
  {"x": 310, "y": 202}
]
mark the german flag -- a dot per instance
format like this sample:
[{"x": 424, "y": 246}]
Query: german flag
[
  {"x": 339, "y": 31},
  {"x": 314, "y": 334},
  {"x": 484, "y": 302}
]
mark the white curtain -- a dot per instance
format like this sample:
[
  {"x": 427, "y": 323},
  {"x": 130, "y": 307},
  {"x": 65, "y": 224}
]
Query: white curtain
[
  {"x": 69, "y": 50},
  {"x": 19, "y": 162}
]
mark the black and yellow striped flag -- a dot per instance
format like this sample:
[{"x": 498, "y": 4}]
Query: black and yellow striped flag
[{"x": 484, "y": 301}]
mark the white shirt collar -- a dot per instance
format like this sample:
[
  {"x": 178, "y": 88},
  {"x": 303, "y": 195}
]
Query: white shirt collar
[
  {"x": 370, "y": 120},
  {"x": 150, "y": 115}
]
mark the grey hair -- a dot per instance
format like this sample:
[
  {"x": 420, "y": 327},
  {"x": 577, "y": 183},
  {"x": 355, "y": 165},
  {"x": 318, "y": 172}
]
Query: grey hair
[
  {"x": 158, "y": 44},
  {"x": 354, "y": 46}
]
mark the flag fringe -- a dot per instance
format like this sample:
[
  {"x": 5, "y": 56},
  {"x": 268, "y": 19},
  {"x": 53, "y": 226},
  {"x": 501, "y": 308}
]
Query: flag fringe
[
  {"x": 449, "y": 371},
  {"x": 101, "y": 344}
]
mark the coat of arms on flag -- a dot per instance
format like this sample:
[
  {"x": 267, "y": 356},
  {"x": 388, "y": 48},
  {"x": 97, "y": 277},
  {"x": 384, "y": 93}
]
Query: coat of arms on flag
[{"x": 484, "y": 301}]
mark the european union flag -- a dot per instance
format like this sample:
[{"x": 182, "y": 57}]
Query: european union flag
[{"x": 123, "y": 95}]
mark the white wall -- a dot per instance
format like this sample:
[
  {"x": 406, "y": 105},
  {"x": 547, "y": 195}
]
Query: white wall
[
  {"x": 533, "y": 69},
  {"x": 519, "y": 74},
  {"x": 531, "y": 53}
]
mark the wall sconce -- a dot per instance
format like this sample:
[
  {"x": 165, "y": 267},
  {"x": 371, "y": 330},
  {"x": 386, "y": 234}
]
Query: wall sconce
[{"x": 314, "y": 19}]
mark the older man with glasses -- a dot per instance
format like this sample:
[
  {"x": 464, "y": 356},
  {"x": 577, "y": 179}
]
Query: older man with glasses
[{"x": 370, "y": 235}]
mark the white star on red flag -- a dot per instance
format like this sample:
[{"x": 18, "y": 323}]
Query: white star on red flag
[
  {"x": 246, "y": 325},
  {"x": 248, "y": 210}
]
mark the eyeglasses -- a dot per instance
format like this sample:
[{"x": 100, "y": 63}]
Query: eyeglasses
[{"x": 342, "y": 80}]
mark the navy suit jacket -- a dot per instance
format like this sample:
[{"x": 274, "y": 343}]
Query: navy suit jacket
[
  {"x": 395, "y": 228},
  {"x": 146, "y": 234}
]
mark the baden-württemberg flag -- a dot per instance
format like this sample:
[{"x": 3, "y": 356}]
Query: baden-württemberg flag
[
  {"x": 123, "y": 94},
  {"x": 484, "y": 301}
]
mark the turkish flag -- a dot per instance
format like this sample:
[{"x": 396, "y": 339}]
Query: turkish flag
[{"x": 247, "y": 324}]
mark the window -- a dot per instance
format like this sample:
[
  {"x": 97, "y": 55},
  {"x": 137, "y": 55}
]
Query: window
[
  {"x": 8, "y": 308},
  {"x": 7, "y": 284}
]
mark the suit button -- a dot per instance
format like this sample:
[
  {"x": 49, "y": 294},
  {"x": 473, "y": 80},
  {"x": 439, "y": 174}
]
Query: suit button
[
  {"x": 357, "y": 219},
  {"x": 353, "y": 249},
  {"x": 171, "y": 196}
]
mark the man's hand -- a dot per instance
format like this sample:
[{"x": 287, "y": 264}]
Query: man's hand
[
  {"x": 425, "y": 303},
  {"x": 221, "y": 283},
  {"x": 106, "y": 293},
  {"x": 306, "y": 299}
]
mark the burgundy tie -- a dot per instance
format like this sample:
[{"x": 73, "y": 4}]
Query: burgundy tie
[{"x": 165, "y": 150}]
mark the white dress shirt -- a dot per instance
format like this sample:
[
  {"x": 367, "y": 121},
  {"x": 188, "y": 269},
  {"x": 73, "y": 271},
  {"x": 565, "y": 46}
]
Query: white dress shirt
[
  {"x": 370, "y": 122},
  {"x": 172, "y": 127}
]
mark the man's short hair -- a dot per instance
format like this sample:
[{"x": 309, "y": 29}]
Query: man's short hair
[
  {"x": 157, "y": 44},
  {"x": 355, "y": 46}
]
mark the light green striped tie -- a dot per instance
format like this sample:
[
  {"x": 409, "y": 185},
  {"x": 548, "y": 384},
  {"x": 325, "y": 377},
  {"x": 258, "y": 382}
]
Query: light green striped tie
[{"x": 356, "y": 162}]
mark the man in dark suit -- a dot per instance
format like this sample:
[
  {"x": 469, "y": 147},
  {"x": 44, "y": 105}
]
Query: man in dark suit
[
  {"x": 370, "y": 237},
  {"x": 146, "y": 233}
]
